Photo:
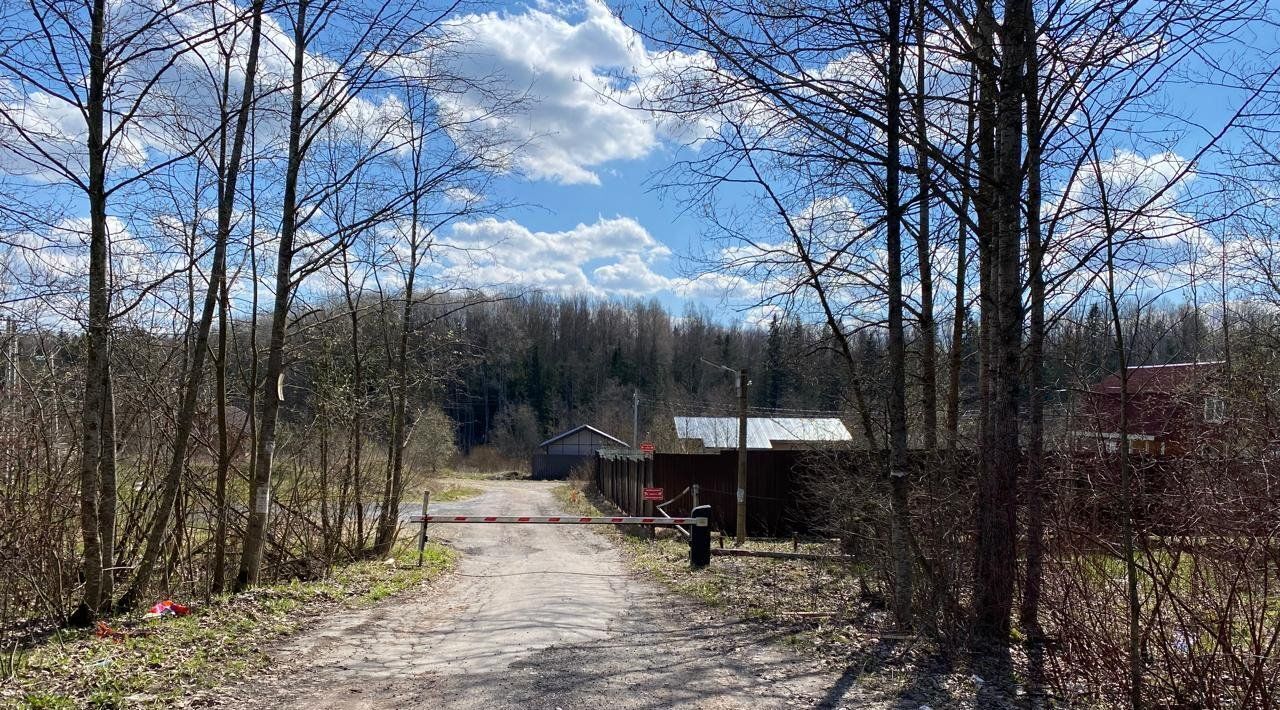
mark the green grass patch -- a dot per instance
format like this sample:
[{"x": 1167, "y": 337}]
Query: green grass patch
[
  {"x": 455, "y": 493},
  {"x": 151, "y": 664}
]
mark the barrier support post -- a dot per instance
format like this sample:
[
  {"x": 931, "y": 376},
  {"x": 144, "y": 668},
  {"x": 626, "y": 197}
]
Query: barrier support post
[
  {"x": 422, "y": 534},
  {"x": 700, "y": 538}
]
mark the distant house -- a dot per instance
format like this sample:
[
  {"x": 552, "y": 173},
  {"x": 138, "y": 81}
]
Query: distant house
[
  {"x": 1172, "y": 409},
  {"x": 557, "y": 456},
  {"x": 719, "y": 433}
]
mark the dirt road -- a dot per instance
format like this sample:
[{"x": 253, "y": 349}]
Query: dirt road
[{"x": 536, "y": 616}]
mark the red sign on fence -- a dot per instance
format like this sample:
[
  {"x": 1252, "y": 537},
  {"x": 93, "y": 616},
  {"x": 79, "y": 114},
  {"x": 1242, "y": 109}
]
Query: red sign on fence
[
  {"x": 653, "y": 494},
  {"x": 647, "y": 447}
]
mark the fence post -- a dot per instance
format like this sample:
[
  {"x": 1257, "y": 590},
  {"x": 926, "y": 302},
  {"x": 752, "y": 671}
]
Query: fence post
[
  {"x": 700, "y": 538},
  {"x": 647, "y": 467},
  {"x": 422, "y": 535},
  {"x": 633, "y": 506},
  {"x": 694, "y": 490}
]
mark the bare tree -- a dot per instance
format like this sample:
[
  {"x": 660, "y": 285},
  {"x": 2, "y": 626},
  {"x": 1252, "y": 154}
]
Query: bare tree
[
  {"x": 111, "y": 77},
  {"x": 228, "y": 173},
  {"x": 321, "y": 95}
]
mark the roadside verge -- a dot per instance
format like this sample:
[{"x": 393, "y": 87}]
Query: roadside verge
[
  {"x": 136, "y": 663},
  {"x": 820, "y": 610}
]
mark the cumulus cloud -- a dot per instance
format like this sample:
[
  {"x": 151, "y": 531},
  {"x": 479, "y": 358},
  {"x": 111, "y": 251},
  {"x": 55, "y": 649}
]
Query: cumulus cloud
[
  {"x": 582, "y": 71},
  {"x": 47, "y": 271},
  {"x": 612, "y": 256},
  {"x": 171, "y": 96},
  {"x": 1142, "y": 203}
]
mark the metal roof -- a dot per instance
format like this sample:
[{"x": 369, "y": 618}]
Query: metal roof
[
  {"x": 1164, "y": 379},
  {"x": 722, "y": 432},
  {"x": 579, "y": 428}
]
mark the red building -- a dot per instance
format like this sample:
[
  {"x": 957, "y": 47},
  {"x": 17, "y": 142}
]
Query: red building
[{"x": 1171, "y": 409}]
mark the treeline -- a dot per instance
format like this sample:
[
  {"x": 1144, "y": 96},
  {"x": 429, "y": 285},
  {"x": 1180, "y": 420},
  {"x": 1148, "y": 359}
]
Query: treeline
[
  {"x": 541, "y": 365},
  {"x": 510, "y": 371},
  {"x": 530, "y": 367}
]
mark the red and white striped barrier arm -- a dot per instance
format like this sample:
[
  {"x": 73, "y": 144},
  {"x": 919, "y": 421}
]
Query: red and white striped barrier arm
[{"x": 556, "y": 520}]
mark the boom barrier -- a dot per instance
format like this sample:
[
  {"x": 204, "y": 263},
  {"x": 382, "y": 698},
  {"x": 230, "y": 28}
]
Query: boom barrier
[{"x": 699, "y": 526}]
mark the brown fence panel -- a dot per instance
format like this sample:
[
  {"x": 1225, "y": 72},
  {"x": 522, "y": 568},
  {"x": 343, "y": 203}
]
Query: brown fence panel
[{"x": 773, "y": 506}]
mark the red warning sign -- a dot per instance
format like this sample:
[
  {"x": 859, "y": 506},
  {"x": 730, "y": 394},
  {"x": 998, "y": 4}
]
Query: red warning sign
[{"x": 653, "y": 494}]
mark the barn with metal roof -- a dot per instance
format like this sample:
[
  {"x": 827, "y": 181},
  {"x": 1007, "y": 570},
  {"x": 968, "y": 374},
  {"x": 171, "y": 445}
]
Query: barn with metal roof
[{"x": 557, "y": 456}]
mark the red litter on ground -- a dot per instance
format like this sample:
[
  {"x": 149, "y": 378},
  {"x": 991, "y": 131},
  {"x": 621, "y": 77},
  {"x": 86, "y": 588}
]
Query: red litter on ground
[
  {"x": 167, "y": 607},
  {"x": 104, "y": 631}
]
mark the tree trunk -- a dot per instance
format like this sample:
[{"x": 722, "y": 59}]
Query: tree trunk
[
  {"x": 1030, "y": 612},
  {"x": 355, "y": 444},
  {"x": 273, "y": 378},
  {"x": 389, "y": 512},
  {"x": 899, "y": 515},
  {"x": 1128, "y": 541},
  {"x": 997, "y": 495},
  {"x": 97, "y": 365},
  {"x": 924, "y": 251},
  {"x": 195, "y": 373},
  {"x": 961, "y": 312},
  {"x": 224, "y": 447},
  {"x": 107, "y": 490}
]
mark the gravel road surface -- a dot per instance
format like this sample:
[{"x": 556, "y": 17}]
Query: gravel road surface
[{"x": 536, "y": 616}]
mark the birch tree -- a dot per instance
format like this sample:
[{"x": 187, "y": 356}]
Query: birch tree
[{"x": 106, "y": 64}]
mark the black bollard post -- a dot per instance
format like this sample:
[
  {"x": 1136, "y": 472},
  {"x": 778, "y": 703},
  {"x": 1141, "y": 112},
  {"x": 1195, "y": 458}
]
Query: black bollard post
[
  {"x": 422, "y": 536},
  {"x": 700, "y": 538}
]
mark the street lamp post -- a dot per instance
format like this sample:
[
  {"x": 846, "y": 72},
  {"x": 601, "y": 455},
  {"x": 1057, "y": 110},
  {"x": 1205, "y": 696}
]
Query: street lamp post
[{"x": 740, "y": 521}]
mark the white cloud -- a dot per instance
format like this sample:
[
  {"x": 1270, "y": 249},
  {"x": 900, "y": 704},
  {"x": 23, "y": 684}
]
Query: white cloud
[
  {"x": 1160, "y": 246},
  {"x": 42, "y": 135},
  {"x": 582, "y": 78},
  {"x": 49, "y": 269},
  {"x": 614, "y": 256}
]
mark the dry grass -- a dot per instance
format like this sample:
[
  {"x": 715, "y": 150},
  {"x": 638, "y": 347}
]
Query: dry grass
[
  {"x": 807, "y": 594},
  {"x": 151, "y": 664},
  {"x": 819, "y": 609}
]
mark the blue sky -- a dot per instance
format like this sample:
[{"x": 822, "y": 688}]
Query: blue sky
[
  {"x": 598, "y": 156},
  {"x": 585, "y": 219},
  {"x": 590, "y": 160}
]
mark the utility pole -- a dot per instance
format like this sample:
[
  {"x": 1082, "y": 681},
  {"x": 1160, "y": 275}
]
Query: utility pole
[
  {"x": 635, "y": 419},
  {"x": 741, "y": 523}
]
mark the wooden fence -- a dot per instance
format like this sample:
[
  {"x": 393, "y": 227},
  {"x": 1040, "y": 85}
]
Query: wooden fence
[
  {"x": 773, "y": 501},
  {"x": 1084, "y": 487},
  {"x": 777, "y": 501}
]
